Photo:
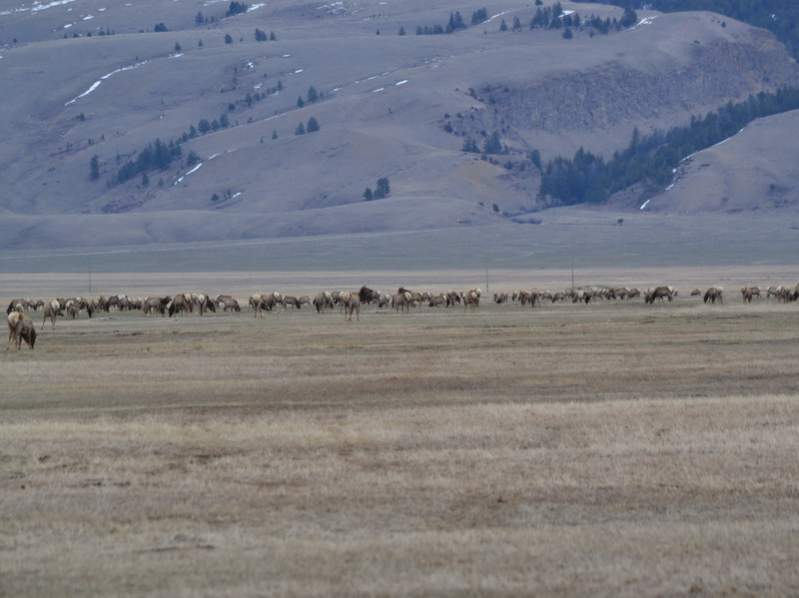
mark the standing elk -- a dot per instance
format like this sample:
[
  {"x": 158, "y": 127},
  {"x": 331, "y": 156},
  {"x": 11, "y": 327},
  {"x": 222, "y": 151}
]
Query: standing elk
[{"x": 52, "y": 309}]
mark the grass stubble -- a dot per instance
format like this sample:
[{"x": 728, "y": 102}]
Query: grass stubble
[{"x": 608, "y": 450}]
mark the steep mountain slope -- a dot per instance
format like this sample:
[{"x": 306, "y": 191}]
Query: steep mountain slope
[{"x": 395, "y": 106}]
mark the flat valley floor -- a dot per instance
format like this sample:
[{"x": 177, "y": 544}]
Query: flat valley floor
[{"x": 613, "y": 449}]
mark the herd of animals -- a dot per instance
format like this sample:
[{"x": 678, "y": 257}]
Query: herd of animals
[{"x": 21, "y": 327}]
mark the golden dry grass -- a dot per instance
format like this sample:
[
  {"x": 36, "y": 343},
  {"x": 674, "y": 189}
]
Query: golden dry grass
[{"x": 609, "y": 450}]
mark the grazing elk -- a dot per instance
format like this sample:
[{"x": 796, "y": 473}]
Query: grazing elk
[
  {"x": 367, "y": 295},
  {"x": 471, "y": 299},
  {"x": 228, "y": 303},
  {"x": 713, "y": 294},
  {"x": 323, "y": 301},
  {"x": 203, "y": 303},
  {"x": 659, "y": 293},
  {"x": 155, "y": 305},
  {"x": 749, "y": 293},
  {"x": 25, "y": 331}
]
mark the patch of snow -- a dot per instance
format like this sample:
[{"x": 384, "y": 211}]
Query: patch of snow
[
  {"x": 101, "y": 9},
  {"x": 372, "y": 77},
  {"x": 643, "y": 205},
  {"x": 194, "y": 169},
  {"x": 255, "y": 7},
  {"x": 250, "y": 65},
  {"x": 235, "y": 195},
  {"x": 298, "y": 71},
  {"x": 41, "y": 7},
  {"x": 670, "y": 187},
  {"x": 644, "y": 21},
  {"x": 178, "y": 55},
  {"x": 68, "y": 25},
  {"x": 403, "y": 82},
  {"x": 286, "y": 56},
  {"x": 566, "y": 13},
  {"x": 334, "y": 89},
  {"x": 378, "y": 90},
  {"x": 496, "y": 16},
  {"x": 258, "y": 86},
  {"x": 88, "y": 17},
  {"x": 97, "y": 83},
  {"x": 213, "y": 156}
]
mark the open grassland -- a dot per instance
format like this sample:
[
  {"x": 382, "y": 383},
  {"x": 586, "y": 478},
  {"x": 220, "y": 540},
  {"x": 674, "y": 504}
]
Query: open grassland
[{"x": 614, "y": 449}]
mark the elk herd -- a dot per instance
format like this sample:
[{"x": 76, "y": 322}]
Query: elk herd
[{"x": 349, "y": 303}]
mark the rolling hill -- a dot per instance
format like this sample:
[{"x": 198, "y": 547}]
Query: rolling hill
[{"x": 388, "y": 105}]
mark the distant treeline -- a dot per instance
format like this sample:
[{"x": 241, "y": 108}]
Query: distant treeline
[
  {"x": 778, "y": 16},
  {"x": 455, "y": 23},
  {"x": 553, "y": 17},
  {"x": 587, "y": 178}
]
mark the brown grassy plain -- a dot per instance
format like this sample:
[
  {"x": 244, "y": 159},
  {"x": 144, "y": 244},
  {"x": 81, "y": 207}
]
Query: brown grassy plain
[{"x": 608, "y": 450}]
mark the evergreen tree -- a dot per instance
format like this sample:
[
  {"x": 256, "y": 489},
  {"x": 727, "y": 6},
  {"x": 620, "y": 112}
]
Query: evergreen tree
[
  {"x": 313, "y": 125},
  {"x": 192, "y": 159},
  {"x": 368, "y": 195},
  {"x": 470, "y": 146},
  {"x": 300, "y": 130},
  {"x": 204, "y": 126},
  {"x": 401, "y": 31},
  {"x": 629, "y": 19},
  {"x": 479, "y": 16},
  {"x": 160, "y": 28},
  {"x": 517, "y": 24},
  {"x": 145, "y": 180},
  {"x": 228, "y": 39},
  {"x": 567, "y": 33},
  {"x": 272, "y": 36},
  {"x": 274, "y": 134},
  {"x": 94, "y": 168},
  {"x": 493, "y": 145},
  {"x": 199, "y": 19},
  {"x": 300, "y": 102},
  {"x": 260, "y": 36},
  {"x": 313, "y": 95},
  {"x": 235, "y": 8},
  {"x": 383, "y": 189},
  {"x": 535, "y": 158},
  {"x": 224, "y": 121},
  {"x": 177, "y": 48},
  {"x": 503, "y": 26}
]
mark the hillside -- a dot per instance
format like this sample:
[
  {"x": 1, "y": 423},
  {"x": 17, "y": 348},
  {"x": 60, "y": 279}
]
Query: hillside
[
  {"x": 390, "y": 106},
  {"x": 756, "y": 169}
]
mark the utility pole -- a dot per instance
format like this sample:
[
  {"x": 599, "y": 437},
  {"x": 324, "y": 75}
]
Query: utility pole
[
  {"x": 488, "y": 288},
  {"x": 90, "y": 274}
]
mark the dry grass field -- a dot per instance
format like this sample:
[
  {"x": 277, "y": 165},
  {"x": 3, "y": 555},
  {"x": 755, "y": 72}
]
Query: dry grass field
[{"x": 614, "y": 449}]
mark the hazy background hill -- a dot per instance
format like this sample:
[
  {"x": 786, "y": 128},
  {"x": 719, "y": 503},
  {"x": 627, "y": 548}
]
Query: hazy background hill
[{"x": 388, "y": 105}]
